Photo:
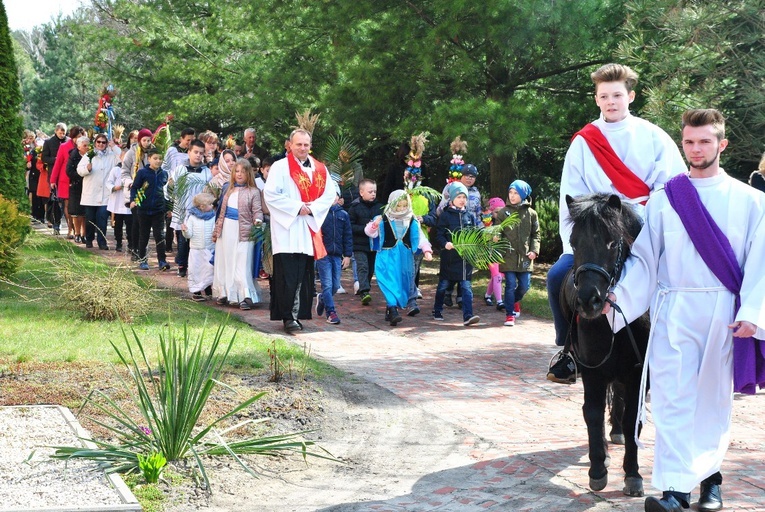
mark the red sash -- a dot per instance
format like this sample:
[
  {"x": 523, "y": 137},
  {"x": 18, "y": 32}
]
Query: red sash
[
  {"x": 309, "y": 192},
  {"x": 623, "y": 179}
]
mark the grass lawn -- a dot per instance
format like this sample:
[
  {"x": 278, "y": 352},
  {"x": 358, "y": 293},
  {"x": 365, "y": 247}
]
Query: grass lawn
[{"x": 37, "y": 323}]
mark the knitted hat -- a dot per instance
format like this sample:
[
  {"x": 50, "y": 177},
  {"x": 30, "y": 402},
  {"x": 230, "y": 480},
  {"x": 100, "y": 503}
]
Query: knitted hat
[
  {"x": 523, "y": 188},
  {"x": 145, "y": 132},
  {"x": 496, "y": 202},
  {"x": 454, "y": 189}
]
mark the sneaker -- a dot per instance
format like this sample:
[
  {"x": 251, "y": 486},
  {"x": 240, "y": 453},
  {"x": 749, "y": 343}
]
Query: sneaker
[
  {"x": 472, "y": 320},
  {"x": 88, "y": 245},
  {"x": 366, "y": 299},
  {"x": 181, "y": 271},
  {"x": 500, "y": 306},
  {"x": 509, "y": 321},
  {"x": 488, "y": 301},
  {"x": 437, "y": 315},
  {"x": 332, "y": 318},
  {"x": 563, "y": 370},
  {"x": 118, "y": 248},
  {"x": 246, "y": 304},
  {"x": 419, "y": 293},
  {"x": 197, "y": 297},
  {"x": 319, "y": 306},
  {"x": 448, "y": 301},
  {"x": 143, "y": 266},
  {"x": 355, "y": 287},
  {"x": 413, "y": 311},
  {"x": 340, "y": 291},
  {"x": 163, "y": 265},
  {"x": 517, "y": 309},
  {"x": 222, "y": 301}
]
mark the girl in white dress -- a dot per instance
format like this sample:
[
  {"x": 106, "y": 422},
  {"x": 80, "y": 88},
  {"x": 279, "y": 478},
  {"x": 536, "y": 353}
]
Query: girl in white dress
[{"x": 240, "y": 209}]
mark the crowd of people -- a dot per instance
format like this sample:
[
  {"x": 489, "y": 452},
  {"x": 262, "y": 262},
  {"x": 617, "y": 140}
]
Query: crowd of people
[
  {"x": 213, "y": 204},
  {"x": 237, "y": 214}
]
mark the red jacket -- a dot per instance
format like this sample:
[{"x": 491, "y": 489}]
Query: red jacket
[{"x": 58, "y": 175}]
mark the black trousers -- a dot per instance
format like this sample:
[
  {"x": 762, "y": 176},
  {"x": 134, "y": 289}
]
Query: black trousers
[
  {"x": 133, "y": 231},
  {"x": 156, "y": 223},
  {"x": 292, "y": 289},
  {"x": 123, "y": 219}
]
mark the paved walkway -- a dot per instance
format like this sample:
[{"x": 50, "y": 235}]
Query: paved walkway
[{"x": 489, "y": 380}]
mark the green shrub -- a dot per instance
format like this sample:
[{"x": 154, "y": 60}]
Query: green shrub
[
  {"x": 552, "y": 247},
  {"x": 14, "y": 228}
]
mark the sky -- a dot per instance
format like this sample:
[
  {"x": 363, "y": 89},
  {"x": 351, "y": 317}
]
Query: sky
[{"x": 25, "y": 14}]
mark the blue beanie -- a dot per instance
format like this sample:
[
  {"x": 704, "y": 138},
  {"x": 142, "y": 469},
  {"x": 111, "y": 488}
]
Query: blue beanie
[
  {"x": 454, "y": 189},
  {"x": 523, "y": 188}
]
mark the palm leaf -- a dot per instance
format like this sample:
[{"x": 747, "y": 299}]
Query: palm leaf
[
  {"x": 478, "y": 246},
  {"x": 431, "y": 194},
  {"x": 343, "y": 160}
]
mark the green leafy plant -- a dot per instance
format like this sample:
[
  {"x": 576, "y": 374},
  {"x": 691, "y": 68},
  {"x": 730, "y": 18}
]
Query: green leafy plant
[
  {"x": 151, "y": 466},
  {"x": 549, "y": 234},
  {"x": 482, "y": 246},
  {"x": 171, "y": 397},
  {"x": 343, "y": 160},
  {"x": 14, "y": 227}
]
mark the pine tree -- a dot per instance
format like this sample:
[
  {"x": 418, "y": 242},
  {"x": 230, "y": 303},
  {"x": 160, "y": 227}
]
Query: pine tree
[{"x": 11, "y": 128}]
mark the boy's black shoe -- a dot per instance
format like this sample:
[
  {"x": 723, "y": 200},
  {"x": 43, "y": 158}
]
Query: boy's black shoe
[
  {"x": 413, "y": 311},
  {"x": 197, "y": 297},
  {"x": 562, "y": 369},
  {"x": 181, "y": 271},
  {"x": 448, "y": 301},
  {"x": 118, "y": 248},
  {"x": 667, "y": 504}
]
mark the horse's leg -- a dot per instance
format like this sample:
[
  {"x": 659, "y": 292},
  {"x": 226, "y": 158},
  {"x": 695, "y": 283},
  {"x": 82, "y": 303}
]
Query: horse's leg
[
  {"x": 633, "y": 482},
  {"x": 616, "y": 395},
  {"x": 594, "y": 414}
]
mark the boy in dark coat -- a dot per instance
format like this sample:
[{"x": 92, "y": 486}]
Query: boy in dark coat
[
  {"x": 363, "y": 210},
  {"x": 454, "y": 269},
  {"x": 147, "y": 195},
  {"x": 338, "y": 241}
]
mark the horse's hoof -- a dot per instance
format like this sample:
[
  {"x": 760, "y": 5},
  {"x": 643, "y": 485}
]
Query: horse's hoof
[
  {"x": 598, "y": 484},
  {"x": 633, "y": 486},
  {"x": 617, "y": 438}
]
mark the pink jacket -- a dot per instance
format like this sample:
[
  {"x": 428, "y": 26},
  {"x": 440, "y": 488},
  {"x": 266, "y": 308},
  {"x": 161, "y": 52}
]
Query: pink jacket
[{"x": 58, "y": 175}]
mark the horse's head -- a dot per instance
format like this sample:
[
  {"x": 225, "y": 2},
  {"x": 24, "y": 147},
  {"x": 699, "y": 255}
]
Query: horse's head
[{"x": 601, "y": 236}]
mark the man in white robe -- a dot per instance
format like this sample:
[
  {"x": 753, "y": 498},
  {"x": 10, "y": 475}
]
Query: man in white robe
[
  {"x": 644, "y": 148},
  {"x": 294, "y": 223},
  {"x": 690, "y": 351}
]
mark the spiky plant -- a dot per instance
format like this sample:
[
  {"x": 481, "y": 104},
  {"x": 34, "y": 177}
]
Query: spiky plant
[
  {"x": 306, "y": 120},
  {"x": 343, "y": 160},
  {"x": 482, "y": 246}
]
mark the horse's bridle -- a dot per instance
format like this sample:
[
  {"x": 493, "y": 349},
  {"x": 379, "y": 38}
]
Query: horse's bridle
[{"x": 611, "y": 277}]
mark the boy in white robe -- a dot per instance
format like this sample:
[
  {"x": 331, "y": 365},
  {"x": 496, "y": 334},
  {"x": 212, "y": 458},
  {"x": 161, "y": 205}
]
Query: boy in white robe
[
  {"x": 645, "y": 149},
  {"x": 690, "y": 351}
]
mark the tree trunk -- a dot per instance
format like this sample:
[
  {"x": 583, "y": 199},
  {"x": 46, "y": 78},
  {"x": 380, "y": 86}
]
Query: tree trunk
[{"x": 502, "y": 172}]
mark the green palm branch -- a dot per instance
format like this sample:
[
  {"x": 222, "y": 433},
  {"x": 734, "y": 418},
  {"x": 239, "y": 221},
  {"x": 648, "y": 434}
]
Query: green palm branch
[
  {"x": 261, "y": 232},
  {"x": 428, "y": 193},
  {"x": 343, "y": 160},
  {"x": 483, "y": 246}
]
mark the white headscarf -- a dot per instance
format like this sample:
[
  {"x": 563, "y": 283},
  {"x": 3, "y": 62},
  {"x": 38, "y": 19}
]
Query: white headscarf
[{"x": 400, "y": 220}]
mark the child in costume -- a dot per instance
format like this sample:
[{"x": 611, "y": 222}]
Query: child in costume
[
  {"x": 397, "y": 236},
  {"x": 524, "y": 247},
  {"x": 198, "y": 230},
  {"x": 494, "y": 287}
]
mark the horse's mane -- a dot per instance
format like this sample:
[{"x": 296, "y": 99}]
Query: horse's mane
[{"x": 597, "y": 212}]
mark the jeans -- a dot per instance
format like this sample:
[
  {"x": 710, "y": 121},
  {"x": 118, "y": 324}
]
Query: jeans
[
  {"x": 467, "y": 296},
  {"x": 365, "y": 266},
  {"x": 182, "y": 251},
  {"x": 329, "y": 269},
  {"x": 156, "y": 223},
  {"x": 96, "y": 218},
  {"x": 555, "y": 277},
  {"x": 516, "y": 286}
]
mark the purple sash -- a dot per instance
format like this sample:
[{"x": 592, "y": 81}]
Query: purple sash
[{"x": 715, "y": 249}]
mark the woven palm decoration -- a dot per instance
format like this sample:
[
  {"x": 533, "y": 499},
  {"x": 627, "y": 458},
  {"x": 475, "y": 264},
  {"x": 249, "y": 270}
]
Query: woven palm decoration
[
  {"x": 306, "y": 120},
  {"x": 459, "y": 148},
  {"x": 413, "y": 173}
]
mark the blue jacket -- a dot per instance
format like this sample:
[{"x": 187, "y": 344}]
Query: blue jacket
[
  {"x": 154, "y": 194},
  {"x": 452, "y": 266},
  {"x": 336, "y": 232}
]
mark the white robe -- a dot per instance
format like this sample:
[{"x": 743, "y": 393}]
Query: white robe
[
  {"x": 290, "y": 232},
  {"x": 644, "y": 148},
  {"x": 690, "y": 352}
]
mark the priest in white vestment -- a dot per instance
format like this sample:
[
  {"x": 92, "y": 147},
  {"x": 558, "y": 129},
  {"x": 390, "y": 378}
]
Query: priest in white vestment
[
  {"x": 298, "y": 199},
  {"x": 694, "y": 319}
]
